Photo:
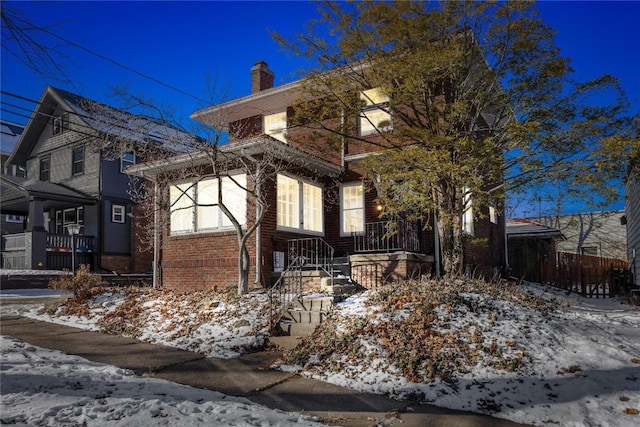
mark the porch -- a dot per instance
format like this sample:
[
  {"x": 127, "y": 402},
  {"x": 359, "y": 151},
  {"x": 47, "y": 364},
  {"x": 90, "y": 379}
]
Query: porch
[{"x": 43, "y": 251}]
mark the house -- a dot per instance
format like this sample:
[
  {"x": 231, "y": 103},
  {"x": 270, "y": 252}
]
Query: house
[
  {"x": 9, "y": 135},
  {"x": 531, "y": 245},
  {"x": 632, "y": 220},
  {"x": 318, "y": 208},
  {"x": 593, "y": 233},
  {"x": 74, "y": 179}
]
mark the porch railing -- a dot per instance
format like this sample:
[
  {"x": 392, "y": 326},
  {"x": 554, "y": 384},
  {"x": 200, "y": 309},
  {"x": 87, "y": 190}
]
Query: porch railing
[
  {"x": 304, "y": 254},
  {"x": 63, "y": 243},
  {"x": 14, "y": 248},
  {"x": 16, "y": 251},
  {"x": 383, "y": 236}
]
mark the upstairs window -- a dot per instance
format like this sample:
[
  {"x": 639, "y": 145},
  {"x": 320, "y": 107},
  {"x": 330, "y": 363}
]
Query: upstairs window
[
  {"x": 126, "y": 160},
  {"x": 374, "y": 117},
  {"x": 60, "y": 124},
  {"x": 275, "y": 125},
  {"x": 118, "y": 214},
  {"x": 299, "y": 205},
  {"x": 45, "y": 167},
  {"x": 77, "y": 160},
  {"x": 352, "y": 202}
]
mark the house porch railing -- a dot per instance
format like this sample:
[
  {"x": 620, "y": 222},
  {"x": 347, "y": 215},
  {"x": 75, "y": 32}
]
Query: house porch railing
[
  {"x": 17, "y": 251},
  {"x": 382, "y": 236}
]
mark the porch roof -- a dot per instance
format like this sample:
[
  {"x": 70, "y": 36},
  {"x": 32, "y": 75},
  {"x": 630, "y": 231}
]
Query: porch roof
[
  {"x": 519, "y": 227},
  {"x": 249, "y": 147},
  {"x": 16, "y": 192}
]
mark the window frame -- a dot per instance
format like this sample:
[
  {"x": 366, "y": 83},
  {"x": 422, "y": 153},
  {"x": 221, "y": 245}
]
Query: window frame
[
  {"x": 196, "y": 211},
  {"x": 275, "y": 118},
  {"x": 343, "y": 210},
  {"x": 15, "y": 219},
  {"x": 44, "y": 173},
  {"x": 467, "y": 222},
  {"x": 77, "y": 161},
  {"x": 301, "y": 207},
  {"x": 126, "y": 163},
  {"x": 118, "y": 217},
  {"x": 60, "y": 124},
  {"x": 375, "y": 102}
]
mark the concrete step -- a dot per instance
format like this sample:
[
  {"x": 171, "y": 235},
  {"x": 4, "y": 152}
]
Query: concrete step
[
  {"x": 305, "y": 316},
  {"x": 314, "y": 303},
  {"x": 297, "y": 329},
  {"x": 285, "y": 342}
]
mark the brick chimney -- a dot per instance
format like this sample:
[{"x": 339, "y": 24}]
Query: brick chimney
[{"x": 261, "y": 77}]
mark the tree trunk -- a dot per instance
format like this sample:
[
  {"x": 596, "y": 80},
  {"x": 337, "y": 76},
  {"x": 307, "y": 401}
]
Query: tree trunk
[{"x": 244, "y": 264}]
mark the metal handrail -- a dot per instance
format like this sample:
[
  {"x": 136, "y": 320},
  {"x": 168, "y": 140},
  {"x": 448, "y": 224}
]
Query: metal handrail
[{"x": 383, "y": 236}]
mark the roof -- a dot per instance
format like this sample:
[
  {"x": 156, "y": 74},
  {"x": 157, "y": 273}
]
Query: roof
[
  {"x": 521, "y": 228},
  {"x": 253, "y": 146},
  {"x": 99, "y": 119},
  {"x": 16, "y": 192},
  {"x": 9, "y": 135}
]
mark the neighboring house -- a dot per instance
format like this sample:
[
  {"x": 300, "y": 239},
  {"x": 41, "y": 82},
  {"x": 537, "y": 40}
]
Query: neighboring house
[
  {"x": 594, "y": 233},
  {"x": 318, "y": 206},
  {"x": 632, "y": 219},
  {"x": 531, "y": 246},
  {"x": 9, "y": 135},
  {"x": 72, "y": 179}
]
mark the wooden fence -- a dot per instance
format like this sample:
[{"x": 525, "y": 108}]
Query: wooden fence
[{"x": 587, "y": 275}]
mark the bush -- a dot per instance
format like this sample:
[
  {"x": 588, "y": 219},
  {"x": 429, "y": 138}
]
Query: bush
[{"x": 80, "y": 283}]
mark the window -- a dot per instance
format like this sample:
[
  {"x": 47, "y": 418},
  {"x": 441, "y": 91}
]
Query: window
[
  {"x": 467, "y": 212},
  {"x": 60, "y": 124},
  {"x": 590, "y": 250},
  {"x": 299, "y": 205},
  {"x": 77, "y": 159},
  {"x": 374, "y": 118},
  {"x": 194, "y": 206},
  {"x": 14, "y": 218},
  {"x": 15, "y": 170},
  {"x": 275, "y": 125},
  {"x": 126, "y": 160},
  {"x": 493, "y": 214},
  {"x": 68, "y": 216},
  {"x": 352, "y": 202},
  {"x": 45, "y": 166},
  {"x": 118, "y": 214}
]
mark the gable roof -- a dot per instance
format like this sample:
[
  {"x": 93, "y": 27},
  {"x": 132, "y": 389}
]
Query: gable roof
[
  {"x": 98, "y": 119},
  {"x": 519, "y": 227}
]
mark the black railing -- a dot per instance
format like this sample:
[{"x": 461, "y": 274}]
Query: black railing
[{"x": 384, "y": 236}]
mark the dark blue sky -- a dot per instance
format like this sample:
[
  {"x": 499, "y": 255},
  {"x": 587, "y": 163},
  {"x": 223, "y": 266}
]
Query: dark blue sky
[{"x": 181, "y": 43}]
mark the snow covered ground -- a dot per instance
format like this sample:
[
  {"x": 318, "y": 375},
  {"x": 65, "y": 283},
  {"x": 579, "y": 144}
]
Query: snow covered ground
[
  {"x": 46, "y": 387},
  {"x": 581, "y": 365}
]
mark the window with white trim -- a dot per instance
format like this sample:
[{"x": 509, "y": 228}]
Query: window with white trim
[
  {"x": 14, "y": 218},
  {"x": 493, "y": 214},
  {"x": 299, "y": 205},
  {"x": 60, "y": 124},
  {"x": 275, "y": 125},
  {"x": 467, "y": 213},
  {"x": 118, "y": 214},
  {"x": 194, "y": 206},
  {"x": 126, "y": 160},
  {"x": 352, "y": 204},
  {"x": 68, "y": 216},
  {"x": 374, "y": 117}
]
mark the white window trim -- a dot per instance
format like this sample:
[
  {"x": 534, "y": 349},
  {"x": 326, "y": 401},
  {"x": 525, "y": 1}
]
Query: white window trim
[
  {"x": 275, "y": 125},
  {"x": 118, "y": 214},
  {"x": 14, "y": 218},
  {"x": 467, "y": 213},
  {"x": 375, "y": 102},
  {"x": 301, "y": 203},
  {"x": 344, "y": 233},
  {"x": 125, "y": 164},
  {"x": 223, "y": 223}
]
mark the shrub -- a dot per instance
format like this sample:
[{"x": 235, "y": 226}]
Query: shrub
[{"x": 80, "y": 283}]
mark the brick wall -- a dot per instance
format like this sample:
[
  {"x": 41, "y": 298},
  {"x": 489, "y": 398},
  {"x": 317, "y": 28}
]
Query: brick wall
[
  {"x": 375, "y": 270},
  {"x": 118, "y": 263},
  {"x": 484, "y": 251},
  {"x": 203, "y": 260}
]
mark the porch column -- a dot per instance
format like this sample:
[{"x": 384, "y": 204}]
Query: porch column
[{"x": 36, "y": 240}]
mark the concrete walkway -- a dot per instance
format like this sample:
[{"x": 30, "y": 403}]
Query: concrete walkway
[{"x": 249, "y": 376}]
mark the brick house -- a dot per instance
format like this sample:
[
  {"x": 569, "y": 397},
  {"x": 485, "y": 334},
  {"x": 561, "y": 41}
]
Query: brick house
[
  {"x": 317, "y": 208},
  {"x": 72, "y": 179}
]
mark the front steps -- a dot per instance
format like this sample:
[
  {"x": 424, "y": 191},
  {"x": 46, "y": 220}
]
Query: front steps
[{"x": 302, "y": 318}]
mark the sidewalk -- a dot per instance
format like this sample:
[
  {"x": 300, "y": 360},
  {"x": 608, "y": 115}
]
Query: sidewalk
[{"x": 249, "y": 376}]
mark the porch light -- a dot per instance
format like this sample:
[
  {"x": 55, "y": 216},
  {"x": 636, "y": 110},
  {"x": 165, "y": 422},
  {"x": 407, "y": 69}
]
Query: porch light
[{"x": 73, "y": 230}]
